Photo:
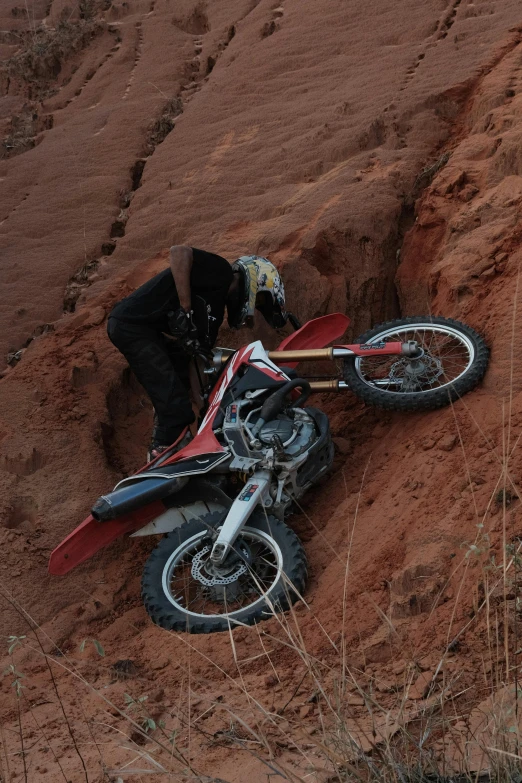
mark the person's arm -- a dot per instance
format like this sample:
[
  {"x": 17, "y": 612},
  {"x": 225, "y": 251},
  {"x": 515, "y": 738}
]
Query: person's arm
[{"x": 181, "y": 258}]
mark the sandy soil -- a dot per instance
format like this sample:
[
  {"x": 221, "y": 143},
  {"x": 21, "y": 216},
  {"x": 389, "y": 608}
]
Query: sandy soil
[{"x": 374, "y": 155}]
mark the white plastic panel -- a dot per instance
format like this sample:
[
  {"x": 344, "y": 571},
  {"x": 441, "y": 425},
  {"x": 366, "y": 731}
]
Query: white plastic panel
[{"x": 173, "y": 518}]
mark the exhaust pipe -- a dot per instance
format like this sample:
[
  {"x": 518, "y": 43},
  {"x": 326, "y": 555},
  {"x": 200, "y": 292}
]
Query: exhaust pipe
[{"x": 134, "y": 496}]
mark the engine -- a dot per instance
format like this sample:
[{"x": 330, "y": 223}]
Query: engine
[{"x": 296, "y": 446}]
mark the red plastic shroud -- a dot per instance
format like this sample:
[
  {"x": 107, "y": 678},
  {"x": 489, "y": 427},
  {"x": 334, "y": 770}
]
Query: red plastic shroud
[{"x": 91, "y": 536}]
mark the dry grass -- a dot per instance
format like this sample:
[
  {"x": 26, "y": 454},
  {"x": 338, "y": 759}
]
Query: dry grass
[
  {"x": 384, "y": 738},
  {"x": 354, "y": 730},
  {"x": 43, "y": 52},
  {"x": 23, "y": 131},
  {"x": 77, "y": 283}
]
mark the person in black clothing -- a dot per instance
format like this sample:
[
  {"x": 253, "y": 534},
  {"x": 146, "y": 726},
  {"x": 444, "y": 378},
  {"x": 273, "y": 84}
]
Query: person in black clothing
[{"x": 187, "y": 301}]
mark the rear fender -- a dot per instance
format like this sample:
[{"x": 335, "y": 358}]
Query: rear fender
[{"x": 91, "y": 536}]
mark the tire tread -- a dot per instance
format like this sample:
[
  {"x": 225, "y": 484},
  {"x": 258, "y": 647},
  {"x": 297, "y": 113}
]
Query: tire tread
[{"x": 164, "y": 614}]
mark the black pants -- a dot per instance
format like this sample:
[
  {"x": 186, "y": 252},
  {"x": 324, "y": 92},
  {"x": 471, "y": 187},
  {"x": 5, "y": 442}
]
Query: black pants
[{"x": 162, "y": 369}]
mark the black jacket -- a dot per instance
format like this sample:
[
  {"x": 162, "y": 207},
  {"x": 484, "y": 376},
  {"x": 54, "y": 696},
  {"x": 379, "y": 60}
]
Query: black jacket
[{"x": 210, "y": 279}]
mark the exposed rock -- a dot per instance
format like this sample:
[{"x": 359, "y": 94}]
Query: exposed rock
[
  {"x": 447, "y": 442},
  {"x": 420, "y": 688},
  {"x": 384, "y": 686},
  {"x": 354, "y": 700}
]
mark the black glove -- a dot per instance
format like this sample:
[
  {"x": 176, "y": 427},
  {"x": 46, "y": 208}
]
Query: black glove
[
  {"x": 184, "y": 329},
  {"x": 181, "y": 323}
]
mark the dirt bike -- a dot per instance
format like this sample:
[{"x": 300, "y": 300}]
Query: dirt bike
[{"x": 227, "y": 556}]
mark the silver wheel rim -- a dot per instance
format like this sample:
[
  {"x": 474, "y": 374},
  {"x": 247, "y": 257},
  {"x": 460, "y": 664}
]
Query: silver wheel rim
[
  {"x": 449, "y": 355},
  {"x": 183, "y": 602}
]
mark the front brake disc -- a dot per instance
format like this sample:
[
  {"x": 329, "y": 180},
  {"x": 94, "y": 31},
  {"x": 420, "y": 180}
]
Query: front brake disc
[{"x": 211, "y": 580}]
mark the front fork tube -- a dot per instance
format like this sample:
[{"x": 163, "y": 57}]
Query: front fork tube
[{"x": 240, "y": 510}]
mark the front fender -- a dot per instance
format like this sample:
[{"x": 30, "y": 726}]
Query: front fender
[{"x": 317, "y": 333}]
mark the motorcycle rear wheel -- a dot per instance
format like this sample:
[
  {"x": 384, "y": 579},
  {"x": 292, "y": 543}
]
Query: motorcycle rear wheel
[
  {"x": 454, "y": 362},
  {"x": 177, "y": 600}
]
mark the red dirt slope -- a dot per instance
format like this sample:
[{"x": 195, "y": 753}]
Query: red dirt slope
[{"x": 378, "y": 163}]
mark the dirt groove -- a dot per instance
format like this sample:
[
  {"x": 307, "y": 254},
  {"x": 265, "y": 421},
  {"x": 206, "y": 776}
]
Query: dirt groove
[{"x": 283, "y": 148}]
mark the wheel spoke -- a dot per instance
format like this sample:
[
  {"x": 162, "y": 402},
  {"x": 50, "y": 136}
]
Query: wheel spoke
[
  {"x": 447, "y": 355},
  {"x": 195, "y": 597}
]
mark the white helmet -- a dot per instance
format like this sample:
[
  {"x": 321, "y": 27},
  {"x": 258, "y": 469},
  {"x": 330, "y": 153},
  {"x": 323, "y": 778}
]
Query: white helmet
[{"x": 263, "y": 290}]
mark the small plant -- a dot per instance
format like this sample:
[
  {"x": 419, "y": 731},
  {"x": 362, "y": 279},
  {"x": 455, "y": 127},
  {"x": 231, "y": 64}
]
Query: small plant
[
  {"x": 161, "y": 128},
  {"x": 513, "y": 550},
  {"x": 133, "y": 703},
  {"x": 145, "y": 721},
  {"x": 148, "y": 724},
  {"x": 87, "y": 9},
  {"x": 23, "y": 130},
  {"x": 97, "y": 645},
  {"x": 124, "y": 669},
  {"x": 17, "y": 678},
  {"x": 13, "y": 642},
  {"x": 76, "y": 283},
  {"x": 481, "y": 544}
]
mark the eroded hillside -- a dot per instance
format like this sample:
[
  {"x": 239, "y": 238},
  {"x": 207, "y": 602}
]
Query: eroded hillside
[{"x": 374, "y": 155}]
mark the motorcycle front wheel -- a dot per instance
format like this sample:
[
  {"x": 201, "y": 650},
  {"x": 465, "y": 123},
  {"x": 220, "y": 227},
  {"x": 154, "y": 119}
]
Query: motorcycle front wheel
[
  {"x": 452, "y": 362},
  {"x": 265, "y": 574}
]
